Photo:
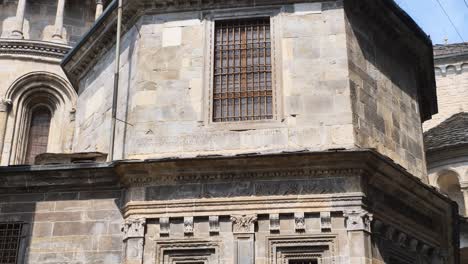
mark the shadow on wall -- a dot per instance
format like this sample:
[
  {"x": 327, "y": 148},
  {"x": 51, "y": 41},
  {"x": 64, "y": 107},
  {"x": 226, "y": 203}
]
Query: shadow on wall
[{"x": 66, "y": 226}]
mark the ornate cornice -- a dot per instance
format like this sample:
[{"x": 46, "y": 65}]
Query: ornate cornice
[{"x": 33, "y": 50}]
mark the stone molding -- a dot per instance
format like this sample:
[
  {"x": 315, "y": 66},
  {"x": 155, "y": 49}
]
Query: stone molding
[
  {"x": 241, "y": 205},
  {"x": 5, "y": 105},
  {"x": 358, "y": 220},
  {"x": 323, "y": 246},
  {"x": 146, "y": 178},
  {"x": 133, "y": 228},
  {"x": 35, "y": 50},
  {"x": 242, "y": 224}
]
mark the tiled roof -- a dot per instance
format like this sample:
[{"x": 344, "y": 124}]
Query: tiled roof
[
  {"x": 452, "y": 132},
  {"x": 450, "y": 49}
]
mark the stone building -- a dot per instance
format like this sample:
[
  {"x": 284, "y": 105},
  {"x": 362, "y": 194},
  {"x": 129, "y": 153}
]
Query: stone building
[
  {"x": 446, "y": 135},
  {"x": 275, "y": 131}
]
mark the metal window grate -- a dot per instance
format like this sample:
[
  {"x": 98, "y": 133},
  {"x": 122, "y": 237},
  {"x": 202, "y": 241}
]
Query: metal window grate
[
  {"x": 10, "y": 236},
  {"x": 242, "y": 70},
  {"x": 38, "y": 134}
]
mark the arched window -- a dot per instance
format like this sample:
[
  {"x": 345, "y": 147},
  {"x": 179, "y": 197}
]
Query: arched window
[
  {"x": 41, "y": 118},
  {"x": 449, "y": 184},
  {"x": 38, "y": 133}
]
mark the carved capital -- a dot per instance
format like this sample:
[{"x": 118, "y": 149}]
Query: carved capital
[
  {"x": 188, "y": 225},
  {"x": 299, "y": 222},
  {"x": 5, "y": 105},
  {"x": 243, "y": 223},
  {"x": 133, "y": 228},
  {"x": 358, "y": 220}
]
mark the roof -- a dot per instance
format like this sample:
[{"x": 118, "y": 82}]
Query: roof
[
  {"x": 450, "y": 49},
  {"x": 450, "y": 133}
]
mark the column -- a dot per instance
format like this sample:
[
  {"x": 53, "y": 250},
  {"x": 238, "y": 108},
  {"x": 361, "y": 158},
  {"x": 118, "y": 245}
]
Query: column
[
  {"x": 17, "y": 32},
  {"x": 4, "y": 108},
  {"x": 243, "y": 227},
  {"x": 58, "y": 35},
  {"x": 464, "y": 190},
  {"x": 99, "y": 8},
  {"x": 133, "y": 238}
]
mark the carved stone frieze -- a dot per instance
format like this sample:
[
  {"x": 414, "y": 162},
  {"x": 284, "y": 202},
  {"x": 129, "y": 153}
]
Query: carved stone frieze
[
  {"x": 243, "y": 223},
  {"x": 133, "y": 228},
  {"x": 299, "y": 222},
  {"x": 33, "y": 49},
  {"x": 358, "y": 220},
  {"x": 274, "y": 222},
  {"x": 188, "y": 225}
]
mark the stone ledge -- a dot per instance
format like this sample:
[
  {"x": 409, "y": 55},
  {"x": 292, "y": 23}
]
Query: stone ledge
[{"x": 33, "y": 50}]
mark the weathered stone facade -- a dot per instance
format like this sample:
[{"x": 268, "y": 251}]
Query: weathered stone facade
[
  {"x": 446, "y": 135},
  {"x": 337, "y": 175}
]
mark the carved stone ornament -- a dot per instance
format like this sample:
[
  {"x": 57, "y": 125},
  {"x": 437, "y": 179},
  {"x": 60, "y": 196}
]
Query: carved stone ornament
[
  {"x": 133, "y": 228},
  {"x": 188, "y": 225},
  {"x": 274, "y": 222},
  {"x": 5, "y": 105},
  {"x": 214, "y": 224},
  {"x": 243, "y": 223},
  {"x": 358, "y": 220},
  {"x": 325, "y": 221},
  {"x": 164, "y": 226},
  {"x": 299, "y": 222}
]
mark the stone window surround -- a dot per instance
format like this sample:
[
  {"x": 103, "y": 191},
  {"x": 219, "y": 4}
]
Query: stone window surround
[
  {"x": 186, "y": 251},
  {"x": 321, "y": 247},
  {"x": 210, "y": 17},
  {"x": 28, "y": 92}
]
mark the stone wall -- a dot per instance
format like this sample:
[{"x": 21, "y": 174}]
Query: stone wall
[
  {"x": 452, "y": 90},
  {"x": 384, "y": 94},
  {"x": 66, "y": 226},
  {"x": 165, "y": 82}
]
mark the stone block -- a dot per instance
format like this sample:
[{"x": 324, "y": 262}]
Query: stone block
[
  {"x": 79, "y": 228},
  {"x": 172, "y": 36}
]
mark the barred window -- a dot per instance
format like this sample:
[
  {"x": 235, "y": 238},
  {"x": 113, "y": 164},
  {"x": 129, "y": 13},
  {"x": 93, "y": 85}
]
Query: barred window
[
  {"x": 38, "y": 133},
  {"x": 10, "y": 237},
  {"x": 302, "y": 261},
  {"x": 242, "y": 81}
]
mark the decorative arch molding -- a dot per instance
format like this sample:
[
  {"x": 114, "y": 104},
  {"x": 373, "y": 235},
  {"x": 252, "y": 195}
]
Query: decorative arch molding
[
  {"x": 449, "y": 182},
  {"x": 457, "y": 68},
  {"x": 32, "y": 90}
]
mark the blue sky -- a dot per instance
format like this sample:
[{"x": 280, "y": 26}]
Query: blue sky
[{"x": 430, "y": 17}]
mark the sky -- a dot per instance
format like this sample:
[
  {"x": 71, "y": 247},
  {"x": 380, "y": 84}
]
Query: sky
[{"x": 430, "y": 17}]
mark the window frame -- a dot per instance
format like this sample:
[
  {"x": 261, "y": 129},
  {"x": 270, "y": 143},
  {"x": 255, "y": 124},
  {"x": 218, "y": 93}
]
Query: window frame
[{"x": 210, "y": 18}]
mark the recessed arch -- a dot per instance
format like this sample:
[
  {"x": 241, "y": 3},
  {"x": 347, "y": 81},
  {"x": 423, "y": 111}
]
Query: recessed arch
[
  {"x": 38, "y": 89},
  {"x": 448, "y": 182}
]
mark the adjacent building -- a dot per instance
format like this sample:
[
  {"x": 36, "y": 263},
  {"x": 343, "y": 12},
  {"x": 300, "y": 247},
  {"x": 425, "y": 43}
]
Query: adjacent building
[
  {"x": 446, "y": 135},
  {"x": 276, "y": 131}
]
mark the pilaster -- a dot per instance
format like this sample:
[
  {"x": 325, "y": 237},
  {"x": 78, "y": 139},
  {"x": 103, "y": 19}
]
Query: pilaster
[
  {"x": 133, "y": 231},
  {"x": 243, "y": 228}
]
